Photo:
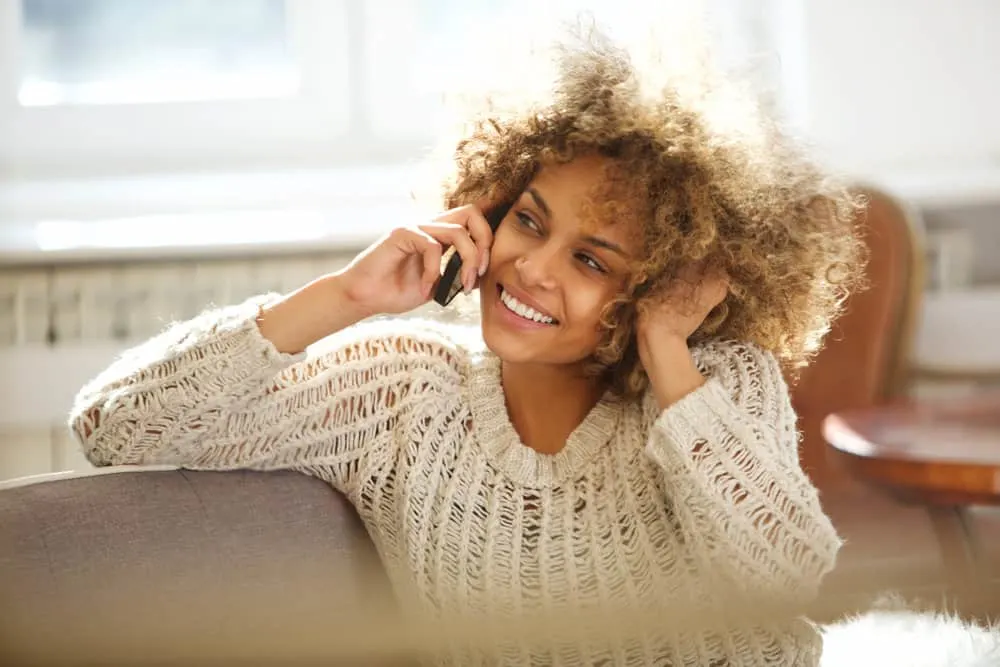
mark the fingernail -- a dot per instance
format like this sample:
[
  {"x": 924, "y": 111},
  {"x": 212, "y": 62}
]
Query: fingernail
[{"x": 484, "y": 264}]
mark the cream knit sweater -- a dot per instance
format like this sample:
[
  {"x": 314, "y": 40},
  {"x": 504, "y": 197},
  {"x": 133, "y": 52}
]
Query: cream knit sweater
[{"x": 684, "y": 506}]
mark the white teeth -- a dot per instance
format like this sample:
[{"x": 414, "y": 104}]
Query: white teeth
[{"x": 527, "y": 312}]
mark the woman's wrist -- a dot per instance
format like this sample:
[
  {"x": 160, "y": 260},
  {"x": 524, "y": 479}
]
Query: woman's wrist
[
  {"x": 671, "y": 369},
  {"x": 308, "y": 315}
]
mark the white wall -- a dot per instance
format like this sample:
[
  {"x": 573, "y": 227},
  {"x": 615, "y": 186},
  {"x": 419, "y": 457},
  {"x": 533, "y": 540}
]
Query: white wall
[{"x": 903, "y": 85}]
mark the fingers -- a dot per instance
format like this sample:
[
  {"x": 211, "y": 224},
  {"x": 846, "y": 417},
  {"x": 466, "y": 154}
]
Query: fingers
[
  {"x": 415, "y": 241},
  {"x": 463, "y": 229},
  {"x": 472, "y": 218},
  {"x": 432, "y": 265},
  {"x": 708, "y": 285},
  {"x": 482, "y": 234},
  {"x": 458, "y": 237}
]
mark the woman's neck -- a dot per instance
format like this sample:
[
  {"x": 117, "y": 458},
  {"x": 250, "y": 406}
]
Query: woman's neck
[{"x": 546, "y": 403}]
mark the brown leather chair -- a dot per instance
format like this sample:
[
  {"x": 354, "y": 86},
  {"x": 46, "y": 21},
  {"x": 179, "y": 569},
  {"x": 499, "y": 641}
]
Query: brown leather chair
[
  {"x": 865, "y": 358},
  {"x": 865, "y": 363}
]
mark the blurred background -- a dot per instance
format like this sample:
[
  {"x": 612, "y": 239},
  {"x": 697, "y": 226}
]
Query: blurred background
[{"x": 160, "y": 155}]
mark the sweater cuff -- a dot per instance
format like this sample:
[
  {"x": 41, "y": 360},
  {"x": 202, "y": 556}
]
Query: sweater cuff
[
  {"x": 248, "y": 321},
  {"x": 695, "y": 416},
  {"x": 232, "y": 331}
]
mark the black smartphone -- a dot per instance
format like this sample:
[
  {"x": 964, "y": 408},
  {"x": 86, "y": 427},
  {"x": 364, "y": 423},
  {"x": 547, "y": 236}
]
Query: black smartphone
[{"x": 451, "y": 280}]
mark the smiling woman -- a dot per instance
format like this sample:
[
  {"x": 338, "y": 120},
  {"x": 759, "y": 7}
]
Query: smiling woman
[
  {"x": 691, "y": 179},
  {"x": 619, "y": 437}
]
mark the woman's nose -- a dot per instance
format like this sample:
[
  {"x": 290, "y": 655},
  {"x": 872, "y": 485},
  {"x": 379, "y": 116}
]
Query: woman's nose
[{"x": 536, "y": 269}]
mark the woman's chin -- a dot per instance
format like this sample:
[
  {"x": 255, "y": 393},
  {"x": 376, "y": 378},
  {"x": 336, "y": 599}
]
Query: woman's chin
[{"x": 517, "y": 347}]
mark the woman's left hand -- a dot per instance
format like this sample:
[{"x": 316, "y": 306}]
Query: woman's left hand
[
  {"x": 662, "y": 331},
  {"x": 681, "y": 313}
]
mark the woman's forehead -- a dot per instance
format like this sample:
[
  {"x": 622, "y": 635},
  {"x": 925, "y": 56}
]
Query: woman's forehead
[{"x": 580, "y": 175}]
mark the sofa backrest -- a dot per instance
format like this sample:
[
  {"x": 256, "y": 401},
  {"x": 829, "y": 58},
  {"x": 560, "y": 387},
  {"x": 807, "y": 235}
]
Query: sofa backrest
[{"x": 177, "y": 564}]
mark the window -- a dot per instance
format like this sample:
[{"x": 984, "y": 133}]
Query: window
[
  {"x": 122, "y": 51},
  {"x": 113, "y": 87},
  {"x": 117, "y": 87}
]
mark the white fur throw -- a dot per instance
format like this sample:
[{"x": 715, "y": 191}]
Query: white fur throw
[{"x": 902, "y": 638}]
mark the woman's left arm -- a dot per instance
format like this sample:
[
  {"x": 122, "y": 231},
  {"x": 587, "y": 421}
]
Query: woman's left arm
[{"x": 726, "y": 443}]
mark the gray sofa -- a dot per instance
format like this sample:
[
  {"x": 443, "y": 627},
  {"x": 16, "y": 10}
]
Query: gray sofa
[{"x": 143, "y": 566}]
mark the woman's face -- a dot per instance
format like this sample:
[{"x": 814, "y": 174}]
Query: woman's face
[{"x": 552, "y": 270}]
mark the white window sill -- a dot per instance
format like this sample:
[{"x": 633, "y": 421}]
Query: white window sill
[{"x": 257, "y": 213}]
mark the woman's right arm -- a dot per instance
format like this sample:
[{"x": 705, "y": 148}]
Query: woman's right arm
[{"x": 232, "y": 388}]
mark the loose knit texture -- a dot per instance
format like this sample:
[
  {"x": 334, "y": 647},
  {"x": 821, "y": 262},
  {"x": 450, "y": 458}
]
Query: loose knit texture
[{"x": 408, "y": 419}]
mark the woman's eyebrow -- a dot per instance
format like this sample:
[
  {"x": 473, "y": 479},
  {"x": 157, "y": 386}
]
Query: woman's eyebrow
[
  {"x": 540, "y": 202},
  {"x": 604, "y": 243}
]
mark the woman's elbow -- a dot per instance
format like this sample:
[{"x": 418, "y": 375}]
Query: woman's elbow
[
  {"x": 805, "y": 574},
  {"x": 106, "y": 440}
]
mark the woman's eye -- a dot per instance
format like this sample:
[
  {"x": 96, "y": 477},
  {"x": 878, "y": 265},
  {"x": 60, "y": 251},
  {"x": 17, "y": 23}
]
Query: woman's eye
[
  {"x": 526, "y": 221},
  {"x": 591, "y": 263}
]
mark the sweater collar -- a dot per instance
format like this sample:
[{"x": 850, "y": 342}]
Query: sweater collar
[{"x": 498, "y": 439}]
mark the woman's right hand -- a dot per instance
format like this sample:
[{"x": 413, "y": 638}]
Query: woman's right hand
[
  {"x": 400, "y": 271},
  {"x": 394, "y": 275}
]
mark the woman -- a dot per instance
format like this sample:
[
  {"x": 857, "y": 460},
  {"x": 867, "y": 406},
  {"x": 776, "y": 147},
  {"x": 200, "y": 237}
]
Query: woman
[{"x": 623, "y": 438}]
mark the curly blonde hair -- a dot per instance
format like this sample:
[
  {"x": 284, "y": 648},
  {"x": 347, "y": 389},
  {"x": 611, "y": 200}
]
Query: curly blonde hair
[{"x": 740, "y": 198}]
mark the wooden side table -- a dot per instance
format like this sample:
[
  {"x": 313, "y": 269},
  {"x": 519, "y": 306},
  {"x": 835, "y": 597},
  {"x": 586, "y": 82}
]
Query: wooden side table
[{"x": 945, "y": 456}]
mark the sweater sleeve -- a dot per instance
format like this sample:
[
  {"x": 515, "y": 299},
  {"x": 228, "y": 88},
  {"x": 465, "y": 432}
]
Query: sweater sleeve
[
  {"x": 213, "y": 394},
  {"x": 728, "y": 455}
]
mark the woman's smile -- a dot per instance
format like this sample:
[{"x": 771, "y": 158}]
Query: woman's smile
[{"x": 522, "y": 312}]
